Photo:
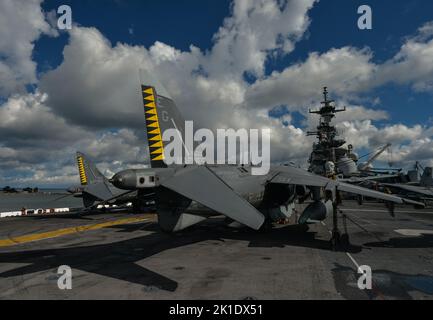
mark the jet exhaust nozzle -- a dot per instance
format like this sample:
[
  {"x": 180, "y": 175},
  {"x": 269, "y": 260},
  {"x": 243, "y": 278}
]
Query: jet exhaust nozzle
[
  {"x": 316, "y": 211},
  {"x": 135, "y": 179}
]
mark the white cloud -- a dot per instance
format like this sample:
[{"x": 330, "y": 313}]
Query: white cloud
[
  {"x": 347, "y": 69},
  {"x": 413, "y": 63},
  {"x": 22, "y": 22},
  {"x": 361, "y": 113},
  {"x": 92, "y": 102},
  {"x": 96, "y": 86},
  {"x": 256, "y": 28},
  {"x": 122, "y": 146},
  {"x": 26, "y": 120},
  {"x": 364, "y": 133},
  {"x": 351, "y": 72}
]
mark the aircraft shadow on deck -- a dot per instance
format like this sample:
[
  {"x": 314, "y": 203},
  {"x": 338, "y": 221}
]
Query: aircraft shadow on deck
[
  {"x": 118, "y": 260},
  {"x": 422, "y": 241}
]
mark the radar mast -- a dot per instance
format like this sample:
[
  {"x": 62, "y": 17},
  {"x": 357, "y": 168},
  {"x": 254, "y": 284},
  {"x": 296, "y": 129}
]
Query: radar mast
[{"x": 328, "y": 156}]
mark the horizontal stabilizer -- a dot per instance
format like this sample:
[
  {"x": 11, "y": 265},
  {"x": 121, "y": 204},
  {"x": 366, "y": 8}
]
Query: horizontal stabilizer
[
  {"x": 99, "y": 191},
  {"x": 200, "y": 184}
]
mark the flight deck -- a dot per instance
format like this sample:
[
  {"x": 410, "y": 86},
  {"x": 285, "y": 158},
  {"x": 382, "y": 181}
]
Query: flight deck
[{"x": 126, "y": 256}]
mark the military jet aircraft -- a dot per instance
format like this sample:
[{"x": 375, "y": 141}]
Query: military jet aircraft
[
  {"x": 188, "y": 194},
  {"x": 96, "y": 190},
  {"x": 416, "y": 187}
]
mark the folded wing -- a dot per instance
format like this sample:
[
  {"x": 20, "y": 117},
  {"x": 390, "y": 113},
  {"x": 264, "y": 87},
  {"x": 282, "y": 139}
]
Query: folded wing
[{"x": 291, "y": 175}]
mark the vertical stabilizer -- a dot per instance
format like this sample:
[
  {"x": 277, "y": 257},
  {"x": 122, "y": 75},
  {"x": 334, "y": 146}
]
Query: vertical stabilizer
[
  {"x": 87, "y": 170},
  {"x": 161, "y": 113},
  {"x": 154, "y": 133}
]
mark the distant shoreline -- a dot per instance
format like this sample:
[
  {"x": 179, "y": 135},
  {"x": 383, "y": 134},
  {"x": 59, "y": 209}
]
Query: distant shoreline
[{"x": 40, "y": 191}]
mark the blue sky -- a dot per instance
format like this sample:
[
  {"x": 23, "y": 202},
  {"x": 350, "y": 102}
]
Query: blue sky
[
  {"x": 186, "y": 22},
  {"x": 270, "y": 66},
  {"x": 179, "y": 23}
]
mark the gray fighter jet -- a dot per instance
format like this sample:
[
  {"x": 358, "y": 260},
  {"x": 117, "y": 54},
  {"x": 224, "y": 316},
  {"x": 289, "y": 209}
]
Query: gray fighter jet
[
  {"x": 188, "y": 194},
  {"x": 95, "y": 188},
  {"x": 416, "y": 187}
]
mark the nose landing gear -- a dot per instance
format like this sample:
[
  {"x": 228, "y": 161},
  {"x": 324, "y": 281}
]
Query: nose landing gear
[{"x": 338, "y": 241}]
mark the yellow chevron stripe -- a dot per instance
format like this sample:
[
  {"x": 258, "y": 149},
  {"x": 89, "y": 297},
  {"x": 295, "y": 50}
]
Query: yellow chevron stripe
[
  {"x": 81, "y": 171},
  {"x": 150, "y": 98},
  {"x": 148, "y": 91},
  {"x": 156, "y": 144},
  {"x": 150, "y": 105},
  {"x": 160, "y": 157},
  {"x": 158, "y": 151},
  {"x": 156, "y": 138},
  {"x": 155, "y": 131},
  {"x": 153, "y": 125},
  {"x": 152, "y": 118}
]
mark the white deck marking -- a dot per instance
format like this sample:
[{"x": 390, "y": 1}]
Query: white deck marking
[
  {"x": 379, "y": 294},
  {"x": 347, "y": 253},
  {"x": 353, "y": 260},
  {"x": 413, "y": 232},
  {"x": 375, "y": 210},
  {"x": 386, "y": 211}
]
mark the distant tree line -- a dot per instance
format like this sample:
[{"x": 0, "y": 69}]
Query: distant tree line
[{"x": 8, "y": 189}]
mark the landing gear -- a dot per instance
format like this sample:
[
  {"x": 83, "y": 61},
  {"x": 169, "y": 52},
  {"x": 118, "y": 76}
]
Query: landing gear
[
  {"x": 335, "y": 240},
  {"x": 336, "y": 236},
  {"x": 338, "y": 240},
  {"x": 345, "y": 236}
]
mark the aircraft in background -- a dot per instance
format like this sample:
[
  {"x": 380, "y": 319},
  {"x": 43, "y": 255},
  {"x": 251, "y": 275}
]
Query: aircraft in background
[
  {"x": 96, "y": 190},
  {"x": 415, "y": 187},
  {"x": 330, "y": 158}
]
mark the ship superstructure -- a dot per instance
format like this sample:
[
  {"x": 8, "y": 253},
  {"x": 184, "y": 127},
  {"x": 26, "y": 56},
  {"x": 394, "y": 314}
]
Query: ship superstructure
[{"x": 329, "y": 157}]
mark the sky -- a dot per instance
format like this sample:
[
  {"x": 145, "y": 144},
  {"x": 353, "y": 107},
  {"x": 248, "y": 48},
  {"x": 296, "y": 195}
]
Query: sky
[{"x": 227, "y": 64}]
